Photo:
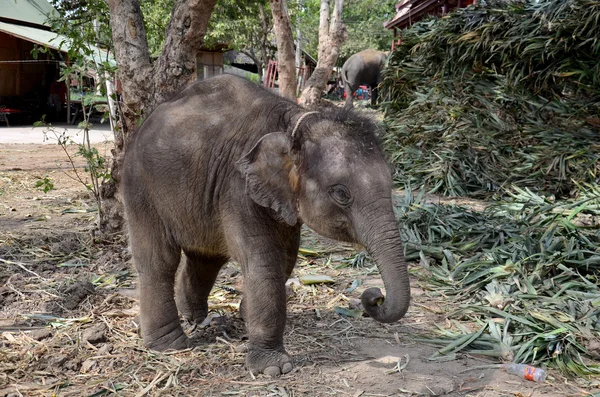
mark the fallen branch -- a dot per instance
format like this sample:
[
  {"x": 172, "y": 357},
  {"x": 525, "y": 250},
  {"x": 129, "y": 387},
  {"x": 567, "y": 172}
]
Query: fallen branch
[{"x": 22, "y": 266}]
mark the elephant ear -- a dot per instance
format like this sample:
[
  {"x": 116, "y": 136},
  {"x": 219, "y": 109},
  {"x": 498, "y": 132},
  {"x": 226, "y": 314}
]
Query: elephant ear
[{"x": 268, "y": 169}]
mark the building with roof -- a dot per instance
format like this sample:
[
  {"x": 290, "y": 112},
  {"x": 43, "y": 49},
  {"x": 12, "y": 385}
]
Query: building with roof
[
  {"x": 33, "y": 13},
  {"x": 409, "y": 12},
  {"x": 25, "y": 82},
  {"x": 29, "y": 85}
]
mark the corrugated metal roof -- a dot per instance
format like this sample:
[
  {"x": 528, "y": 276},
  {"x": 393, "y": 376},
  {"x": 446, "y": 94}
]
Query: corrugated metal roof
[
  {"x": 31, "y": 11},
  {"x": 50, "y": 40},
  {"x": 38, "y": 36},
  {"x": 238, "y": 57}
]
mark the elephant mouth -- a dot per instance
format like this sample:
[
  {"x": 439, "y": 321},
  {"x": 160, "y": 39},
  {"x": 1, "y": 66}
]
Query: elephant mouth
[{"x": 337, "y": 230}]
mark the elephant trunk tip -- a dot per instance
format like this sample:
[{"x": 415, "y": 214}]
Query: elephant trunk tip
[{"x": 380, "y": 309}]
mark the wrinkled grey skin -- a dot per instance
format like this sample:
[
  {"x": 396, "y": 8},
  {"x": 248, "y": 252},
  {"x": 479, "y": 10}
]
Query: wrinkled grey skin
[
  {"x": 215, "y": 173},
  {"x": 363, "y": 68}
]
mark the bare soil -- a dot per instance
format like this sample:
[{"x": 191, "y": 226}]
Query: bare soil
[{"x": 69, "y": 326}]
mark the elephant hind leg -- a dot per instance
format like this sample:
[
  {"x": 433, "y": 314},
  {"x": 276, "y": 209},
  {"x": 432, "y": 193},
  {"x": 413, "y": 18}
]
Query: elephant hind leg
[
  {"x": 349, "y": 93},
  {"x": 374, "y": 93},
  {"x": 156, "y": 259},
  {"x": 195, "y": 280}
]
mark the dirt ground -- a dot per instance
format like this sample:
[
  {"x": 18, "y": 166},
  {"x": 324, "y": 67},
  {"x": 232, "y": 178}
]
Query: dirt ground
[{"x": 68, "y": 316}]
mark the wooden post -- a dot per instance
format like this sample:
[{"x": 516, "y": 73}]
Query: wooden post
[
  {"x": 68, "y": 83},
  {"x": 18, "y": 72}
]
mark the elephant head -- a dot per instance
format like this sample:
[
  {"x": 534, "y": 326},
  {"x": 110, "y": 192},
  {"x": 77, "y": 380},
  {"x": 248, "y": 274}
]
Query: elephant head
[{"x": 329, "y": 172}]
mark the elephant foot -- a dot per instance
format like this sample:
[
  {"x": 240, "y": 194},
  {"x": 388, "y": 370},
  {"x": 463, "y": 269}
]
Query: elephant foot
[
  {"x": 267, "y": 361},
  {"x": 174, "y": 339}
]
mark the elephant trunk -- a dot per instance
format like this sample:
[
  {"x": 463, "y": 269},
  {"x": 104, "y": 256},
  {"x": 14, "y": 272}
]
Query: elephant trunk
[{"x": 380, "y": 235}]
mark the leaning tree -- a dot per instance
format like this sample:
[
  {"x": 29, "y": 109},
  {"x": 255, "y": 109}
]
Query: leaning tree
[{"x": 332, "y": 34}]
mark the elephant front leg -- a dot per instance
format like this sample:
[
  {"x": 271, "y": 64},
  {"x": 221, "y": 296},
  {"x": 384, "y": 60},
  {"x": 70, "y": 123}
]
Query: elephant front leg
[
  {"x": 265, "y": 316},
  {"x": 159, "y": 321},
  {"x": 291, "y": 256},
  {"x": 156, "y": 262}
]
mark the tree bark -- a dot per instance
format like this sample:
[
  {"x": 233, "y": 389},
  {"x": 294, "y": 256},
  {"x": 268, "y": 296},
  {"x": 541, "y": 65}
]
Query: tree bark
[
  {"x": 176, "y": 67},
  {"x": 264, "y": 37},
  {"x": 145, "y": 85},
  {"x": 285, "y": 49},
  {"x": 133, "y": 60},
  {"x": 331, "y": 37}
]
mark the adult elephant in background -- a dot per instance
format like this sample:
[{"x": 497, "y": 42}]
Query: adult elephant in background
[
  {"x": 363, "y": 68},
  {"x": 227, "y": 169}
]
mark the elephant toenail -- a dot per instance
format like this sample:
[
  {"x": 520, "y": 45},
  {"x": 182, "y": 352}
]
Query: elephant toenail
[
  {"x": 272, "y": 371},
  {"x": 287, "y": 367}
]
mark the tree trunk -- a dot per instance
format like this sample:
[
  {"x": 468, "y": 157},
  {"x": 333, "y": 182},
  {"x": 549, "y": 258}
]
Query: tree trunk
[
  {"x": 257, "y": 62},
  {"x": 263, "y": 39},
  {"x": 331, "y": 37},
  {"x": 145, "y": 85},
  {"x": 285, "y": 49},
  {"x": 133, "y": 59}
]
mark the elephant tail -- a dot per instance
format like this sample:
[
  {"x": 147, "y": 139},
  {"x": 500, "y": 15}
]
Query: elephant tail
[{"x": 344, "y": 76}]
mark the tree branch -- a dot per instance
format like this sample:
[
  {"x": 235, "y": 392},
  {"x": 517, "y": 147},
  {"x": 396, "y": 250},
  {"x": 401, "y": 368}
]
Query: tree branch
[
  {"x": 184, "y": 38},
  {"x": 256, "y": 61}
]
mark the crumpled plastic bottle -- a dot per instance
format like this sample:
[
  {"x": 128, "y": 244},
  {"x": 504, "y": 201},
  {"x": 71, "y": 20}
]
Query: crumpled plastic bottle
[{"x": 525, "y": 371}]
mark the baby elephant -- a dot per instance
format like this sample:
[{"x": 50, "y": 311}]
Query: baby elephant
[{"x": 228, "y": 170}]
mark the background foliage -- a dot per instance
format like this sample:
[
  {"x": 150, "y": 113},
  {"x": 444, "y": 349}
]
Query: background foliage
[
  {"x": 363, "y": 19},
  {"x": 157, "y": 15},
  {"x": 86, "y": 37},
  {"x": 238, "y": 24}
]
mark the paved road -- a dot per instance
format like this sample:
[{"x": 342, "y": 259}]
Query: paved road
[{"x": 28, "y": 134}]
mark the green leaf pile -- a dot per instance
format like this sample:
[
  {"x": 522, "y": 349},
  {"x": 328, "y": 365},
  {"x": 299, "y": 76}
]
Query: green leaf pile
[
  {"x": 526, "y": 269},
  {"x": 498, "y": 94}
]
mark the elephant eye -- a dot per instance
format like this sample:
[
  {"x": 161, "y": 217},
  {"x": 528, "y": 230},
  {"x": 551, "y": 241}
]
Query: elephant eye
[{"x": 340, "y": 194}]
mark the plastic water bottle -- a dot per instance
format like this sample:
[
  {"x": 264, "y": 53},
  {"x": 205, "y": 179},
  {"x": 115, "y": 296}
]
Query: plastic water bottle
[{"x": 525, "y": 371}]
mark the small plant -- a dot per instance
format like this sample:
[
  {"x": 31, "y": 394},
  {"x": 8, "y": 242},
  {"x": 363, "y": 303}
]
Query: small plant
[
  {"x": 45, "y": 184},
  {"x": 88, "y": 49},
  {"x": 253, "y": 77},
  {"x": 96, "y": 166}
]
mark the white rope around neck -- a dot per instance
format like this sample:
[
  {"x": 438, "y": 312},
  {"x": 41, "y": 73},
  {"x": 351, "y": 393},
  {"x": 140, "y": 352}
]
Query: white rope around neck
[{"x": 300, "y": 121}]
